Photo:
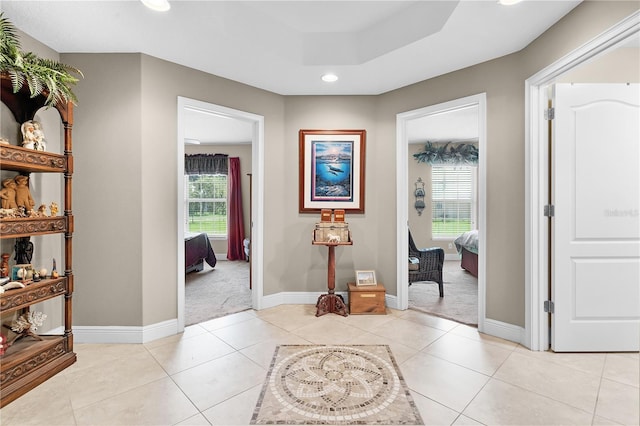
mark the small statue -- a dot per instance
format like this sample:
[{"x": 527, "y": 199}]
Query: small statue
[
  {"x": 8, "y": 194},
  {"x": 4, "y": 141},
  {"x": 54, "y": 208},
  {"x": 23, "y": 195},
  {"x": 42, "y": 210},
  {"x": 28, "y": 134},
  {"x": 24, "y": 251},
  {"x": 4, "y": 265},
  {"x": 40, "y": 143},
  {"x": 54, "y": 271}
]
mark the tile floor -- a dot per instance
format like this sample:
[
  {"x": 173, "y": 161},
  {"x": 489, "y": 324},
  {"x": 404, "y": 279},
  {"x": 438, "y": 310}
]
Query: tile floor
[{"x": 212, "y": 374}]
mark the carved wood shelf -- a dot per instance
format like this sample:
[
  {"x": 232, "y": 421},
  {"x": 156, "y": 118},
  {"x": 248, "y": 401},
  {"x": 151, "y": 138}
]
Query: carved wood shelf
[
  {"x": 24, "y": 227},
  {"x": 12, "y": 300},
  {"x": 27, "y": 160}
]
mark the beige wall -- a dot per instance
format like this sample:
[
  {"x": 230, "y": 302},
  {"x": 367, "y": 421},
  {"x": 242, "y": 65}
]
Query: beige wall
[
  {"x": 243, "y": 152},
  {"x": 126, "y": 184}
]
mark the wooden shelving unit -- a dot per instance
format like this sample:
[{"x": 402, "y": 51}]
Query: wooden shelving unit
[{"x": 30, "y": 362}]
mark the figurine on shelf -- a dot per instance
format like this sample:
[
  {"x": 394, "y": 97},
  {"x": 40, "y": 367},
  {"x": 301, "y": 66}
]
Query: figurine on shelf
[
  {"x": 23, "y": 195},
  {"x": 24, "y": 250},
  {"x": 41, "y": 143},
  {"x": 8, "y": 194},
  {"x": 42, "y": 210},
  {"x": 28, "y": 134},
  {"x": 26, "y": 325},
  {"x": 4, "y": 141},
  {"x": 54, "y": 208},
  {"x": 54, "y": 271},
  {"x": 4, "y": 265}
]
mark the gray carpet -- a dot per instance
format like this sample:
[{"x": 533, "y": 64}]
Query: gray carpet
[
  {"x": 460, "y": 301},
  {"x": 217, "y": 292}
]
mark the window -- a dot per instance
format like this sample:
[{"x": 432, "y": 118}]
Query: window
[
  {"x": 453, "y": 200},
  {"x": 206, "y": 204}
]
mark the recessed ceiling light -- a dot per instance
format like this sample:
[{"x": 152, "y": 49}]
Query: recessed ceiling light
[
  {"x": 508, "y": 2},
  {"x": 159, "y": 5},
  {"x": 329, "y": 78}
]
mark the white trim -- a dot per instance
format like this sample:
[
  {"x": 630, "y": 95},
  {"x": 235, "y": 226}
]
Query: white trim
[
  {"x": 504, "y": 330},
  {"x": 124, "y": 334},
  {"x": 257, "y": 220},
  {"x": 402, "y": 191},
  {"x": 536, "y": 336}
]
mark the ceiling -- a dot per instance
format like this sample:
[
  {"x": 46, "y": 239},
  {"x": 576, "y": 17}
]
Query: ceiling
[{"x": 286, "y": 46}]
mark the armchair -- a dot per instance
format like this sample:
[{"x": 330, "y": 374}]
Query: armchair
[{"x": 431, "y": 261}]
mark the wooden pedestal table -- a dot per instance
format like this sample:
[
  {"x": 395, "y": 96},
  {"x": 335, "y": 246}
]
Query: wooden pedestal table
[{"x": 331, "y": 302}]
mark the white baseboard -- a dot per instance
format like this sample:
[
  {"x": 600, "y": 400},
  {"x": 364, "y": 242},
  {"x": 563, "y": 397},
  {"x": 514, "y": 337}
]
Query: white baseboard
[
  {"x": 124, "y": 334},
  {"x": 506, "y": 331}
]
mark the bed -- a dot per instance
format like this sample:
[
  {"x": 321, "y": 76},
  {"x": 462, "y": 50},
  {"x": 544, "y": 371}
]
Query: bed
[
  {"x": 197, "y": 250},
  {"x": 467, "y": 246}
]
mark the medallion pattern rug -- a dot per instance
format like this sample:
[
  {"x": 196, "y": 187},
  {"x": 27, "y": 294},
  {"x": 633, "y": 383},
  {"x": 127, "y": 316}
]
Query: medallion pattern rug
[{"x": 335, "y": 385}]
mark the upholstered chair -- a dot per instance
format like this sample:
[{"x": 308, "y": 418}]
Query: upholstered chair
[{"x": 430, "y": 263}]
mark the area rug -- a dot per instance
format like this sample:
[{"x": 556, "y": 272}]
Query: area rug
[
  {"x": 460, "y": 301},
  {"x": 216, "y": 292},
  {"x": 335, "y": 385}
]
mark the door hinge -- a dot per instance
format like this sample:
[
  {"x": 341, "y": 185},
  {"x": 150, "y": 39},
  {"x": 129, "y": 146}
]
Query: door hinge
[
  {"x": 549, "y": 113},
  {"x": 549, "y": 210},
  {"x": 549, "y": 306}
]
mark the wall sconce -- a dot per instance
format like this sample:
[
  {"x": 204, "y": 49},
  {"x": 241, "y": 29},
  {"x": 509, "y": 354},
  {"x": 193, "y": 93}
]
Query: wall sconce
[{"x": 419, "y": 194}]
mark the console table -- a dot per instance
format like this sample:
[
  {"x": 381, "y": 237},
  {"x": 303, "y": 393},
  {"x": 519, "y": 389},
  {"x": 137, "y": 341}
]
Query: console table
[{"x": 331, "y": 302}]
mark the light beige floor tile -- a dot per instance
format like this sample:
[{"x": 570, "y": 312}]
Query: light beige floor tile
[
  {"x": 619, "y": 402},
  {"x": 474, "y": 354},
  {"x": 92, "y": 354},
  {"x": 591, "y": 363},
  {"x": 328, "y": 331},
  {"x": 237, "y": 410},
  {"x": 365, "y": 322},
  {"x": 622, "y": 368},
  {"x": 190, "y": 331},
  {"x": 215, "y": 381},
  {"x": 99, "y": 382},
  {"x": 601, "y": 421},
  {"x": 408, "y": 333},
  {"x": 555, "y": 381},
  {"x": 27, "y": 410},
  {"x": 433, "y": 413},
  {"x": 228, "y": 320},
  {"x": 188, "y": 353},
  {"x": 247, "y": 333},
  {"x": 500, "y": 403},
  {"x": 463, "y": 420},
  {"x": 156, "y": 403},
  {"x": 197, "y": 420},
  {"x": 295, "y": 316},
  {"x": 400, "y": 352},
  {"x": 449, "y": 384},
  {"x": 473, "y": 333},
  {"x": 262, "y": 353},
  {"x": 431, "y": 321}
]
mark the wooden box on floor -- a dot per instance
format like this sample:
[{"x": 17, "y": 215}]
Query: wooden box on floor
[{"x": 366, "y": 299}]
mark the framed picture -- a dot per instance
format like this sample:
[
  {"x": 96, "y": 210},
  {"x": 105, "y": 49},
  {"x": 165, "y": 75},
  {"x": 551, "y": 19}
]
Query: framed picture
[
  {"x": 366, "y": 278},
  {"x": 331, "y": 166}
]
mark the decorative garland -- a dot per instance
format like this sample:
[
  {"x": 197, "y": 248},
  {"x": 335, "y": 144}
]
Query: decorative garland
[{"x": 448, "y": 153}]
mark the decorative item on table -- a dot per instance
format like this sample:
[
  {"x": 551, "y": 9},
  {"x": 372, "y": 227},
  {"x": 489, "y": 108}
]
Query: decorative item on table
[
  {"x": 338, "y": 215},
  {"x": 331, "y": 232},
  {"x": 366, "y": 278},
  {"x": 22, "y": 272},
  {"x": 325, "y": 215},
  {"x": 26, "y": 325}
]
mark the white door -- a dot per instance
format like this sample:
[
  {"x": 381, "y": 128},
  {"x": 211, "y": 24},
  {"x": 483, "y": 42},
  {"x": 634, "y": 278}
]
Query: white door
[{"x": 596, "y": 228}]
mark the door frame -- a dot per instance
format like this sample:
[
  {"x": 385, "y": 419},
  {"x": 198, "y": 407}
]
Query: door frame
[
  {"x": 537, "y": 327},
  {"x": 402, "y": 190},
  {"x": 257, "y": 196}
]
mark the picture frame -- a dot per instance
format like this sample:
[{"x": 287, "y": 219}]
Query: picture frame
[
  {"x": 366, "y": 278},
  {"x": 331, "y": 170}
]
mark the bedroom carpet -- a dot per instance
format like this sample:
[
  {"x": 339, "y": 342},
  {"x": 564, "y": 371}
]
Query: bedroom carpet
[
  {"x": 460, "y": 301},
  {"x": 216, "y": 292},
  {"x": 335, "y": 385}
]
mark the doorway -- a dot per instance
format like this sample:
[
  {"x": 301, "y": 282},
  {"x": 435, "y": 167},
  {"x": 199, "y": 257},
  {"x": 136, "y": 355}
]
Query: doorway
[
  {"x": 537, "y": 266},
  {"x": 256, "y": 134},
  {"x": 404, "y": 125}
]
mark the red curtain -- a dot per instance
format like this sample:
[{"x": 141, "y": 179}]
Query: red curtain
[{"x": 235, "y": 248}]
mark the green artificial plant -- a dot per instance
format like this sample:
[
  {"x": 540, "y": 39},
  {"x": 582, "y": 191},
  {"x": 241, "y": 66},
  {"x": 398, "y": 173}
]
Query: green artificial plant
[{"x": 42, "y": 76}]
